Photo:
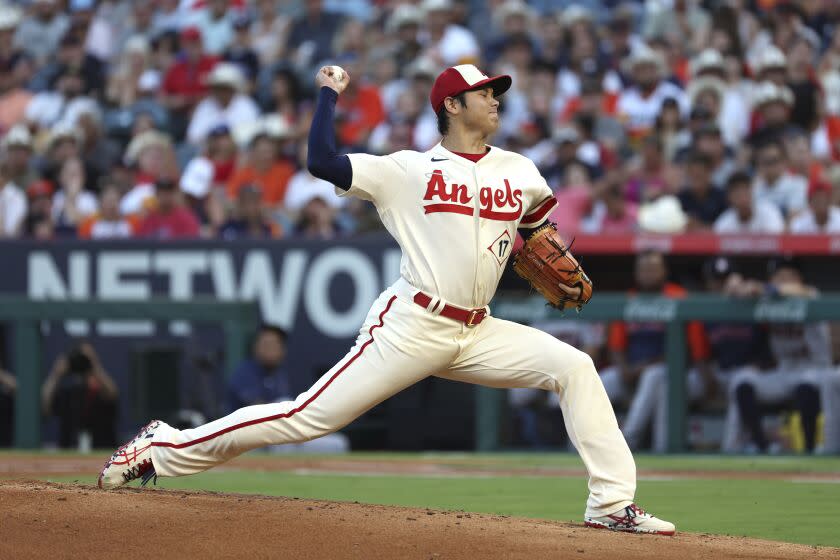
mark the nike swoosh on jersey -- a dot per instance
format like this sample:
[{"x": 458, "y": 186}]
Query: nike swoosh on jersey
[{"x": 440, "y": 159}]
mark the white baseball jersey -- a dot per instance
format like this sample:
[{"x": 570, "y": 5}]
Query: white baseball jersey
[{"x": 454, "y": 220}]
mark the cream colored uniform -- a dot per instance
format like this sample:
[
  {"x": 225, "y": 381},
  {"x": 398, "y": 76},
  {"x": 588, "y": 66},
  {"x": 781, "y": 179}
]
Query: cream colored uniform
[{"x": 455, "y": 222}]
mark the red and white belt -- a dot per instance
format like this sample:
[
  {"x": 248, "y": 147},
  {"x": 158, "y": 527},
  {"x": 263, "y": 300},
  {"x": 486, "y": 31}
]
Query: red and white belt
[{"x": 470, "y": 317}]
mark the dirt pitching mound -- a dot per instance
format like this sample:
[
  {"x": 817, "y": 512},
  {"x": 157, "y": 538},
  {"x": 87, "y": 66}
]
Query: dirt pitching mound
[{"x": 45, "y": 520}]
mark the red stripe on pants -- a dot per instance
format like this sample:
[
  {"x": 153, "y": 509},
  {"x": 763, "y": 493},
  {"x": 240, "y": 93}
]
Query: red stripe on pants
[{"x": 294, "y": 411}]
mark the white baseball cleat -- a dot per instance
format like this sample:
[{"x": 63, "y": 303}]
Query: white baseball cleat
[
  {"x": 131, "y": 461},
  {"x": 632, "y": 519}
]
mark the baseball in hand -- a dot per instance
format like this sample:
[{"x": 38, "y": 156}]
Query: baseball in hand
[{"x": 337, "y": 73}]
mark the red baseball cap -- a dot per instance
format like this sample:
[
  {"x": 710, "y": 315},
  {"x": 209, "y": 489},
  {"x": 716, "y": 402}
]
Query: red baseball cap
[
  {"x": 191, "y": 33},
  {"x": 818, "y": 186},
  {"x": 464, "y": 77}
]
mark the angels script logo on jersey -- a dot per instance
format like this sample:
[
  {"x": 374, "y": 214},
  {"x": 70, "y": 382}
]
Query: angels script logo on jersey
[{"x": 495, "y": 204}]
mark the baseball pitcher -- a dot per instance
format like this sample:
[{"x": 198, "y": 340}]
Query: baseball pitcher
[{"x": 454, "y": 211}]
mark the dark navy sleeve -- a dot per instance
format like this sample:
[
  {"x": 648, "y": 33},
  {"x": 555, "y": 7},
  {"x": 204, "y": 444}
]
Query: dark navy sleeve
[{"x": 323, "y": 159}]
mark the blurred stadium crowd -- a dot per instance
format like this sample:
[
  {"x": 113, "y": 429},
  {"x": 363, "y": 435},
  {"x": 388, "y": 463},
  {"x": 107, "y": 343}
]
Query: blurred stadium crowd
[{"x": 186, "y": 118}]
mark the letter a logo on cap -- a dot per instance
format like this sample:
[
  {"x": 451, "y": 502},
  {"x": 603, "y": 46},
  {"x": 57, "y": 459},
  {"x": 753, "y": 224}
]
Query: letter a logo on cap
[{"x": 464, "y": 77}]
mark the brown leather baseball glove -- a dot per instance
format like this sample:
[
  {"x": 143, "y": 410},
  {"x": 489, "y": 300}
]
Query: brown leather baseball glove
[{"x": 548, "y": 265}]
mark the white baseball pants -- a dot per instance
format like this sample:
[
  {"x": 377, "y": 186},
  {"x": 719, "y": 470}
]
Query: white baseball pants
[{"x": 399, "y": 344}]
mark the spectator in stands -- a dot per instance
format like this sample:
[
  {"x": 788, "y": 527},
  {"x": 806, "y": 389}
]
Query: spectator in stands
[
  {"x": 225, "y": 105},
  {"x": 84, "y": 397},
  {"x": 17, "y": 145},
  {"x": 249, "y": 221},
  {"x": 124, "y": 79},
  {"x": 38, "y": 223},
  {"x": 443, "y": 40},
  {"x": 13, "y": 204},
  {"x": 170, "y": 218},
  {"x": 708, "y": 141},
  {"x": 821, "y": 216},
  {"x": 801, "y": 161},
  {"x": 216, "y": 24},
  {"x": 700, "y": 200},
  {"x": 108, "y": 223},
  {"x": 265, "y": 165},
  {"x": 8, "y": 389},
  {"x": 614, "y": 214},
  {"x": 185, "y": 83},
  {"x": 747, "y": 214},
  {"x": 72, "y": 203},
  {"x": 648, "y": 172},
  {"x": 774, "y": 183},
  {"x": 639, "y": 105},
  {"x": 268, "y": 32},
  {"x": 359, "y": 108},
  {"x": 639, "y": 374},
  {"x": 771, "y": 107},
  {"x": 311, "y": 35},
  {"x": 317, "y": 218},
  {"x": 15, "y": 93},
  {"x": 403, "y": 26},
  {"x": 63, "y": 143},
  {"x": 151, "y": 157},
  {"x": 10, "y": 18},
  {"x": 210, "y": 171},
  {"x": 39, "y": 36},
  {"x": 803, "y": 84},
  {"x": 241, "y": 52}
]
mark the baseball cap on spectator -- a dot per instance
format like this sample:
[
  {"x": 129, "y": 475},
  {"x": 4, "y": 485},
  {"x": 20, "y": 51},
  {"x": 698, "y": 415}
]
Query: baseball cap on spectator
[
  {"x": 718, "y": 268},
  {"x": 465, "y": 77},
  {"x": 512, "y": 8},
  {"x": 142, "y": 141},
  {"x": 65, "y": 131},
  {"x": 704, "y": 84},
  {"x": 197, "y": 177},
  {"x": 575, "y": 14},
  {"x": 18, "y": 136},
  {"x": 566, "y": 135},
  {"x": 39, "y": 188},
  {"x": 436, "y": 6},
  {"x": 770, "y": 58},
  {"x": 191, "y": 33},
  {"x": 225, "y": 74},
  {"x": 768, "y": 92},
  {"x": 403, "y": 15},
  {"x": 137, "y": 44},
  {"x": 422, "y": 67},
  {"x": 818, "y": 186},
  {"x": 707, "y": 60},
  {"x": 643, "y": 54},
  {"x": 10, "y": 17}
]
